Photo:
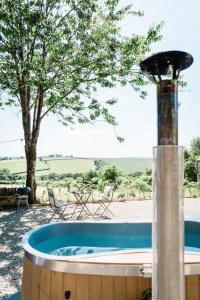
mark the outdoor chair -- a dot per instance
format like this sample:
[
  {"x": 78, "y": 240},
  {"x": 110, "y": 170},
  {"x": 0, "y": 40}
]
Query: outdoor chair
[
  {"x": 22, "y": 195},
  {"x": 58, "y": 206},
  {"x": 105, "y": 201}
]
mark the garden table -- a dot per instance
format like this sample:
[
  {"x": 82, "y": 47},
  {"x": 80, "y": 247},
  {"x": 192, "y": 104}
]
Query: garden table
[{"x": 82, "y": 197}]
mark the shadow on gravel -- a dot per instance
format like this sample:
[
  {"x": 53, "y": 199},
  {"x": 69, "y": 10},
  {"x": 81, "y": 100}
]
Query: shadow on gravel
[{"x": 13, "y": 225}]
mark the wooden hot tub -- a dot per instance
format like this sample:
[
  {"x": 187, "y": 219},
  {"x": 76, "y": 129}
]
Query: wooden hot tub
[{"x": 120, "y": 274}]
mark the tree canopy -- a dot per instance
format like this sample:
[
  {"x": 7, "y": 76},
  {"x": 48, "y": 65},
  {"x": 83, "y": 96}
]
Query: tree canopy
[
  {"x": 65, "y": 50},
  {"x": 195, "y": 147},
  {"x": 55, "y": 54}
]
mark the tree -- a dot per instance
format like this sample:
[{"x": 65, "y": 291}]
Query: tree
[
  {"x": 190, "y": 169},
  {"x": 110, "y": 174},
  {"x": 142, "y": 186},
  {"x": 99, "y": 163},
  {"x": 147, "y": 176},
  {"x": 195, "y": 147},
  {"x": 190, "y": 160},
  {"x": 5, "y": 174},
  {"x": 89, "y": 180},
  {"x": 54, "y": 54}
]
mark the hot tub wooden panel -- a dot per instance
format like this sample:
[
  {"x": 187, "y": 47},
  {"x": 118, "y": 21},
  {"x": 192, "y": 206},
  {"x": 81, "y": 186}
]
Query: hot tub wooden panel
[
  {"x": 95, "y": 287},
  {"x": 70, "y": 284},
  {"x": 131, "y": 289},
  {"x": 193, "y": 287},
  {"x": 44, "y": 284},
  {"x": 27, "y": 278}
]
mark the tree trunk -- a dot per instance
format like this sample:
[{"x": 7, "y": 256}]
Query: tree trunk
[{"x": 30, "y": 168}]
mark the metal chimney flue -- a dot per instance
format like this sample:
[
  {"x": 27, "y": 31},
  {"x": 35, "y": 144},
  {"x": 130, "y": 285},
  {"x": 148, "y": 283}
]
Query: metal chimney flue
[
  {"x": 170, "y": 64},
  {"x": 168, "y": 221}
]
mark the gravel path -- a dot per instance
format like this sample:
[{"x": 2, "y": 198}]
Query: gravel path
[{"x": 14, "y": 224}]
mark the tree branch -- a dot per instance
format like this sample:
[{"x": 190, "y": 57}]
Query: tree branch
[
  {"x": 82, "y": 115},
  {"x": 70, "y": 73},
  {"x": 40, "y": 101},
  {"x": 67, "y": 14},
  {"x": 32, "y": 48},
  {"x": 53, "y": 105},
  {"x": 34, "y": 116}
]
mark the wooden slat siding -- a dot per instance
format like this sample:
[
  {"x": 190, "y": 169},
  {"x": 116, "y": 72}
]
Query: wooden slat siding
[
  {"x": 131, "y": 288},
  {"x": 95, "y": 287},
  {"x": 70, "y": 284},
  {"x": 83, "y": 285},
  {"x": 35, "y": 282},
  {"x": 120, "y": 288},
  {"x": 192, "y": 287},
  {"x": 26, "y": 281},
  {"x": 45, "y": 283},
  {"x": 56, "y": 286},
  {"x": 143, "y": 284},
  {"x": 107, "y": 287},
  {"x": 52, "y": 285}
]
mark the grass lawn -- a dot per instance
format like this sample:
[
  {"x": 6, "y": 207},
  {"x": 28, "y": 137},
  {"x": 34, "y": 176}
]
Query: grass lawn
[
  {"x": 76, "y": 165},
  {"x": 61, "y": 166},
  {"x": 58, "y": 166},
  {"x": 19, "y": 165},
  {"x": 130, "y": 164}
]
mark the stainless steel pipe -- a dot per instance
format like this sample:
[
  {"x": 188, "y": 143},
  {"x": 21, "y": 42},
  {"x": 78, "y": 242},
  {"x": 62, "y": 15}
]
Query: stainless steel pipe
[
  {"x": 168, "y": 224},
  {"x": 168, "y": 221}
]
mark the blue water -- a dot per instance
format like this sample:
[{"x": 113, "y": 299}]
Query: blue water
[
  {"x": 77, "y": 239},
  {"x": 77, "y": 250},
  {"x": 79, "y": 244}
]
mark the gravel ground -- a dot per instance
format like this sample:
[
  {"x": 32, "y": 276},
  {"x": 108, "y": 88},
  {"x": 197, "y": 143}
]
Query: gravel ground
[{"x": 14, "y": 224}]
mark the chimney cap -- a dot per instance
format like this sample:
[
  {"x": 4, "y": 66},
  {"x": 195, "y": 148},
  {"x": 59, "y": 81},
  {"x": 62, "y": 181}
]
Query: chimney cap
[{"x": 163, "y": 63}]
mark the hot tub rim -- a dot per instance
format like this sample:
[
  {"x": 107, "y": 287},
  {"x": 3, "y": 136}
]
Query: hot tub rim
[
  {"x": 69, "y": 265},
  {"x": 34, "y": 252}
]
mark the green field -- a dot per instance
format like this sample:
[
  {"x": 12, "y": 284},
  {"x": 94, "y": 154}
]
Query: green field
[
  {"x": 76, "y": 165},
  {"x": 18, "y": 165},
  {"x": 130, "y": 164}
]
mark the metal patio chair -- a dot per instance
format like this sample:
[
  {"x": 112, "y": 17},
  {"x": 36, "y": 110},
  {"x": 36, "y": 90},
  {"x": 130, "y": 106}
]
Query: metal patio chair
[
  {"x": 22, "y": 195},
  {"x": 58, "y": 206},
  {"x": 105, "y": 201}
]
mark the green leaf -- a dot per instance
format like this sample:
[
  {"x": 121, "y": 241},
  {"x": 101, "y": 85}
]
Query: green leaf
[{"x": 120, "y": 139}]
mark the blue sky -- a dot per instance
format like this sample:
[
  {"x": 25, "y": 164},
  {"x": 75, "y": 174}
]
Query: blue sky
[{"x": 136, "y": 117}]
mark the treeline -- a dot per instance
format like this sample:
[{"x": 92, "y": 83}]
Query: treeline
[
  {"x": 137, "y": 184},
  {"x": 11, "y": 157},
  {"x": 39, "y": 157},
  {"x": 133, "y": 185},
  {"x": 6, "y": 177}
]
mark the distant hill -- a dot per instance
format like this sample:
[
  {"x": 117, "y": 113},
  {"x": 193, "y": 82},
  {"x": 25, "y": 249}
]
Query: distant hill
[
  {"x": 130, "y": 164},
  {"x": 76, "y": 165}
]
